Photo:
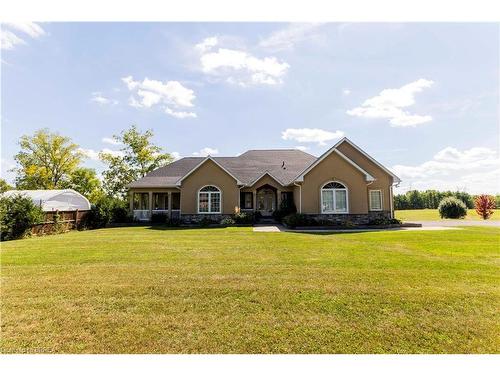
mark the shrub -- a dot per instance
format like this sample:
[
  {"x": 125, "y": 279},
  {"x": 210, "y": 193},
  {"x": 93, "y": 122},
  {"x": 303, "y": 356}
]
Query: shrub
[
  {"x": 205, "y": 222},
  {"x": 159, "y": 218},
  {"x": 484, "y": 205},
  {"x": 244, "y": 218},
  {"x": 227, "y": 221},
  {"x": 107, "y": 210},
  {"x": 285, "y": 209},
  {"x": 452, "y": 208},
  {"x": 296, "y": 220},
  {"x": 384, "y": 221},
  {"x": 17, "y": 215}
]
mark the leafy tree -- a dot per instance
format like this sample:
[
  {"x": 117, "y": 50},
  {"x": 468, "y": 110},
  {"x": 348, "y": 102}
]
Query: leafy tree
[
  {"x": 46, "y": 160},
  {"x": 484, "y": 205},
  {"x": 17, "y": 215},
  {"x": 4, "y": 186},
  {"x": 139, "y": 157},
  {"x": 86, "y": 182}
]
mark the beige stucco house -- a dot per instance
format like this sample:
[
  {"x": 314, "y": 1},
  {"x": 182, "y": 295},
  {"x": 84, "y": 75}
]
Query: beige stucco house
[{"x": 344, "y": 183}]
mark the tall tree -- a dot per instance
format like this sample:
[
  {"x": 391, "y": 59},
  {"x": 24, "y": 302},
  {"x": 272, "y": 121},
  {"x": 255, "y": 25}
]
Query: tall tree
[
  {"x": 46, "y": 160},
  {"x": 86, "y": 182},
  {"x": 139, "y": 156},
  {"x": 4, "y": 186}
]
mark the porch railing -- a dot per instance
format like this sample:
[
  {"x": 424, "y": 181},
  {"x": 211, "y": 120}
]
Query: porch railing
[{"x": 141, "y": 215}]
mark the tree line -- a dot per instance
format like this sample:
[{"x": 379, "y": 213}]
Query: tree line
[
  {"x": 414, "y": 199},
  {"x": 48, "y": 160}
]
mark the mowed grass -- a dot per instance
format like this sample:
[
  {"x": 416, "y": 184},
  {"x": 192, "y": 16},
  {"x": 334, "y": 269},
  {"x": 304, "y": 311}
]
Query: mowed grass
[
  {"x": 145, "y": 290},
  {"x": 433, "y": 215}
]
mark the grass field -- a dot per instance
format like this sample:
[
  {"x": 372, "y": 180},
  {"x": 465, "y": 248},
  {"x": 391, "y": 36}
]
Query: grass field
[
  {"x": 429, "y": 214},
  {"x": 151, "y": 290}
]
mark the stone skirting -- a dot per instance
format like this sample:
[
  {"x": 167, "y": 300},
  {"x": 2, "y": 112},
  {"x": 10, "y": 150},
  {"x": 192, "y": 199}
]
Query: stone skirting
[
  {"x": 196, "y": 218},
  {"x": 356, "y": 219}
]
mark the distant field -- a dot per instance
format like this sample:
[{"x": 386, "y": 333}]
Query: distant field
[
  {"x": 429, "y": 214},
  {"x": 157, "y": 290}
]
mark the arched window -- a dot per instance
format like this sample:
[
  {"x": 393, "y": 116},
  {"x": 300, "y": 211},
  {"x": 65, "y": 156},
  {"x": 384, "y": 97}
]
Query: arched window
[
  {"x": 334, "y": 198},
  {"x": 209, "y": 200}
]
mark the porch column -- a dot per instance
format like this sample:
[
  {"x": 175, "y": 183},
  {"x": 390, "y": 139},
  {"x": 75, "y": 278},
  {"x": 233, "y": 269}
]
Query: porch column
[
  {"x": 169, "y": 204},
  {"x": 254, "y": 199},
  {"x": 278, "y": 199},
  {"x": 150, "y": 204},
  {"x": 131, "y": 201}
]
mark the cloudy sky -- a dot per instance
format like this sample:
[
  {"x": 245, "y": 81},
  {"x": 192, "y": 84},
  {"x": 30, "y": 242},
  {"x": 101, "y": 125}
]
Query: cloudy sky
[{"x": 421, "y": 98}]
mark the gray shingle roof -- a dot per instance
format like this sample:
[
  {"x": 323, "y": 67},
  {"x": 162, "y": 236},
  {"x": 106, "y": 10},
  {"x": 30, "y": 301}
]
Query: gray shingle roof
[{"x": 246, "y": 167}]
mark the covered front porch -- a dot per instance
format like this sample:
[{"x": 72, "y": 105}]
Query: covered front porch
[{"x": 145, "y": 204}]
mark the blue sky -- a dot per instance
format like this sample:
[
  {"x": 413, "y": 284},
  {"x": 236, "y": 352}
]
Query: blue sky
[{"x": 421, "y": 98}]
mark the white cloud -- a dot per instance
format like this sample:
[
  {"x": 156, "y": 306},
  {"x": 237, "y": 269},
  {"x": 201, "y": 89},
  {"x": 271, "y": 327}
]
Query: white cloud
[
  {"x": 111, "y": 141},
  {"x": 8, "y": 40},
  {"x": 100, "y": 99},
  {"x": 175, "y": 155},
  {"x": 31, "y": 28},
  {"x": 240, "y": 67},
  {"x": 346, "y": 92},
  {"x": 309, "y": 135},
  {"x": 5, "y": 170},
  {"x": 206, "y": 151},
  {"x": 94, "y": 155},
  {"x": 474, "y": 170},
  {"x": 207, "y": 44},
  {"x": 150, "y": 93},
  {"x": 180, "y": 114},
  {"x": 289, "y": 36},
  {"x": 389, "y": 104},
  {"x": 9, "y": 33}
]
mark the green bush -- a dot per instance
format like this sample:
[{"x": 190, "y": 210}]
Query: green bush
[
  {"x": 17, "y": 215},
  {"x": 245, "y": 218},
  {"x": 296, "y": 220},
  {"x": 285, "y": 209},
  {"x": 452, "y": 208},
  {"x": 159, "y": 218},
  {"x": 206, "y": 221},
  {"x": 228, "y": 221},
  {"x": 384, "y": 221},
  {"x": 107, "y": 210}
]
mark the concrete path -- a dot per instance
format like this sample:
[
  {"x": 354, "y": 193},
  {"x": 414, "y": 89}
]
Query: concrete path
[
  {"x": 280, "y": 228},
  {"x": 268, "y": 228},
  {"x": 457, "y": 223}
]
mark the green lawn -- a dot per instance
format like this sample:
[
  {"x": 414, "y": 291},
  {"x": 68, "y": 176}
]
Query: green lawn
[
  {"x": 143, "y": 290},
  {"x": 429, "y": 214}
]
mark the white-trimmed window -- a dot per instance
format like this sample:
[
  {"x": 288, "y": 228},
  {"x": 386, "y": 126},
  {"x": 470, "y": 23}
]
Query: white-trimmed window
[
  {"x": 375, "y": 198},
  {"x": 209, "y": 200},
  {"x": 334, "y": 198}
]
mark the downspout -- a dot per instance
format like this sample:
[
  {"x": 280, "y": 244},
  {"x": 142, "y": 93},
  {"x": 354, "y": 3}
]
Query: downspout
[
  {"x": 300, "y": 196},
  {"x": 392, "y": 203}
]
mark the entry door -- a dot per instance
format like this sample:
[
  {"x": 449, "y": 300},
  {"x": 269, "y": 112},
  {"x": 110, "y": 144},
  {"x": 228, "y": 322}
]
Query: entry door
[{"x": 266, "y": 202}]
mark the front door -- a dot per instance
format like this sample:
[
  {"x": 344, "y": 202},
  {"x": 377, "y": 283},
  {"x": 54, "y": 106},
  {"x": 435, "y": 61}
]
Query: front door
[{"x": 266, "y": 201}]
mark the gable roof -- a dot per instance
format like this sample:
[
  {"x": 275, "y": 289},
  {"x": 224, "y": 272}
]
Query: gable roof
[
  {"x": 283, "y": 165},
  {"x": 245, "y": 168},
  {"x": 203, "y": 162},
  {"x": 368, "y": 177}
]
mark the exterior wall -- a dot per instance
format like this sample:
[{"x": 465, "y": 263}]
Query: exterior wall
[
  {"x": 334, "y": 168},
  {"x": 383, "y": 179},
  {"x": 209, "y": 174}
]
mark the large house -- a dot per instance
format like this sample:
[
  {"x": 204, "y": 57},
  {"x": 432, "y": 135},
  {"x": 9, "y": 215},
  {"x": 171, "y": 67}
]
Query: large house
[{"x": 344, "y": 183}]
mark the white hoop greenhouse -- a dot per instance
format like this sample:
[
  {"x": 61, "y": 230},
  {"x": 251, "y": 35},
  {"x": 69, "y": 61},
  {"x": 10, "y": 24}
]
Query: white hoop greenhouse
[{"x": 54, "y": 200}]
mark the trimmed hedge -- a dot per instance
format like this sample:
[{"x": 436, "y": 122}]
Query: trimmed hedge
[{"x": 452, "y": 208}]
